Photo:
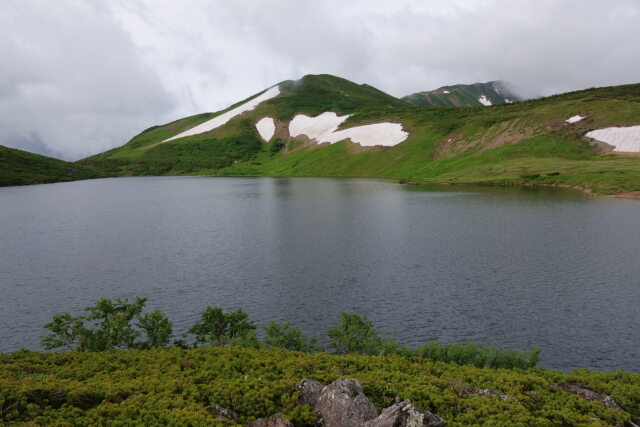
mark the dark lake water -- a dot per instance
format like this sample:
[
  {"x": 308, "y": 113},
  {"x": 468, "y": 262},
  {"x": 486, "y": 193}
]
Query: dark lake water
[{"x": 502, "y": 266}]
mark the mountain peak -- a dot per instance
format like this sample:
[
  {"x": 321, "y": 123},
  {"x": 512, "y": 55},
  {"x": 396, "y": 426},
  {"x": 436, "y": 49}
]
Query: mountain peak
[{"x": 467, "y": 95}]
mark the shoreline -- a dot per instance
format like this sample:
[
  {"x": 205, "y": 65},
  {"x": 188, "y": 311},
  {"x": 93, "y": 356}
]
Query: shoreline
[{"x": 629, "y": 195}]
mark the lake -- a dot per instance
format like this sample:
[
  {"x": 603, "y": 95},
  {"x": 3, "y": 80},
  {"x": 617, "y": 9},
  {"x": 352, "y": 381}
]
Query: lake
[{"x": 510, "y": 267}]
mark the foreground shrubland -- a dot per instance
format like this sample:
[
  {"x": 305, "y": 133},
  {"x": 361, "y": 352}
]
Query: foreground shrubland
[
  {"x": 121, "y": 369},
  {"x": 174, "y": 386}
]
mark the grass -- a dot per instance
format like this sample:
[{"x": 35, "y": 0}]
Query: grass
[
  {"x": 506, "y": 143},
  {"x": 175, "y": 387}
]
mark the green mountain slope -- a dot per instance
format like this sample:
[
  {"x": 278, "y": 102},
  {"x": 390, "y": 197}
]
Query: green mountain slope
[
  {"x": 526, "y": 142},
  {"x": 19, "y": 167},
  {"x": 495, "y": 92}
]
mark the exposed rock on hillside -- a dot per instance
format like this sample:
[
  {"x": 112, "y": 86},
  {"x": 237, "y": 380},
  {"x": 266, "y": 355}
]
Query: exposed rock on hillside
[
  {"x": 274, "y": 421},
  {"x": 405, "y": 414},
  {"x": 486, "y": 392},
  {"x": 222, "y": 413},
  {"x": 343, "y": 404},
  {"x": 587, "y": 393},
  {"x": 310, "y": 391}
]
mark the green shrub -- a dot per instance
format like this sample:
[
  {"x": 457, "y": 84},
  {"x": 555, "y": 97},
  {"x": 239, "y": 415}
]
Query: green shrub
[
  {"x": 157, "y": 328},
  {"x": 108, "y": 326},
  {"x": 470, "y": 353},
  {"x": 356, "y": 334},
  {"x": 287, "y": 336},
  {"x": 218, "y": 328}
]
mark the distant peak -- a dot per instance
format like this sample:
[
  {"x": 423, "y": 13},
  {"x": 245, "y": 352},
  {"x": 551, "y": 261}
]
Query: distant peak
[{"x": 467, "y": 95}]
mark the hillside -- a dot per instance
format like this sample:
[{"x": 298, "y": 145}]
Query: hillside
[
  {"x": 327, "y": 126},
  {"x": 19, "y": 167},
  {"x": 473, "y": 95},
  {"x": 182, "y": 387}
]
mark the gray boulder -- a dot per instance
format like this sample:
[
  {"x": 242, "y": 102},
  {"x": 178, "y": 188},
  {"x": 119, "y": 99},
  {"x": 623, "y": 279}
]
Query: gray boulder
[
  {"x": 222, "y": 413},
  {"x": 310, "y": 391},
  {"x": 587, "y": 393},
  {"x": 274, "y": 421},
  {"x": 405, "y": 414},
  {"x": 487, "y": 392},
  {"x": 343, "y": 404}
]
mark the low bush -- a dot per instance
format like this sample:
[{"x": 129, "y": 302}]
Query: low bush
[{"x": 172, "y": 386}]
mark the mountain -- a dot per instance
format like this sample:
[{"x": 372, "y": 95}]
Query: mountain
[
  {"x": 323, "y": 125},
  {"x": 473, "y": 95},
  {"x": 19, "y": 167}
]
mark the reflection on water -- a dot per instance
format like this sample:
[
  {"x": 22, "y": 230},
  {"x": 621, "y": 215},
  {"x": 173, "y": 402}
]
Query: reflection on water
[{"x": 510, "y": 267}]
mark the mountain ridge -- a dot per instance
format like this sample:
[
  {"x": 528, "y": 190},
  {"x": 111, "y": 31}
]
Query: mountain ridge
[
  {"x": 18, "y": 167},
  {"x": 530, "y": 142},
  {"x": 323, "y": 125},
  {"x": 466, "y": 95}
]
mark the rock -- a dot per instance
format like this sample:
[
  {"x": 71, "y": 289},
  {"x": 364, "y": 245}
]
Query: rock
[
  {"x": 274, "y": 421},
  {"x": 222, "y": 413},
  {"x": 309, "y": 391},
  {"x": 587, "y": 393},
  {"x": 405, "y": 414},
  {"x": 486, "y": 392},
  {"x": 343, "y": 404}
]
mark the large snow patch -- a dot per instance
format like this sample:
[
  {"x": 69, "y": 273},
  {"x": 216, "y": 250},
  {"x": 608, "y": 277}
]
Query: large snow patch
[
  {"x": 626, "y": 139},
  {"x": 266, "y": 128},
  {"x": 323, "y": 128},
  {"x": 484, "y": 101},
  {"x": 225, "y": 117},
  {"x": 316, "y": 127}
]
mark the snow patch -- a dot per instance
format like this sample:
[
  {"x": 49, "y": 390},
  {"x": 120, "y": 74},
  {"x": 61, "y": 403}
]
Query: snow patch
[
  {"x": 387, "y": 134},
  {"x": 225, "y": 117},
  {"x": 484, "y": 101},
  {"x": 445, "y": 91},
  {"x": 497, "y": 91},
  {"x": 316, "y": 127},
  {"x": 508, "y": 101},
  {"x": 266, "y": 128},
  {"x": 575, "y": 119},
  {"x": 323, "y": 128},
  {"x": 626, "y": 139}
]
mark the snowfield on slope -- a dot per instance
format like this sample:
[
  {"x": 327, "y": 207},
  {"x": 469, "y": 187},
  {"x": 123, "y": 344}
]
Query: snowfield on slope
[
  {"x": 225, "y": 117},
  {"x": 316, "y": 127},
  {"x": 323, "y": 128},
  {"x": 575, "y": 119},
  {"x": 624, "y": 139},
  {"x": 484, "y": 101},
  {"x": 266, "y": 128}
]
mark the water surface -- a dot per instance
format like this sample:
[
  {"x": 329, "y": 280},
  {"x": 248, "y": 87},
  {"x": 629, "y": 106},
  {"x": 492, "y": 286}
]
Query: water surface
[{"x": 501, "y": 266}]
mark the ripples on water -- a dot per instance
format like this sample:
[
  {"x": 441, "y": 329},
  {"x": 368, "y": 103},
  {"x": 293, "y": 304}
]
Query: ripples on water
[{"x": 502, "y": 266}]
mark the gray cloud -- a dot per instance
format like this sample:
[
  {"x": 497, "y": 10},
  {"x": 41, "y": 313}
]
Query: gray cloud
[
  {"x": 85, "y": 76},
  {"x": 72, "y": 79}
]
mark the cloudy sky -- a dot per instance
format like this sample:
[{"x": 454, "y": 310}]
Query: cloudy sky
[{"x": 80, "y": 76}]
